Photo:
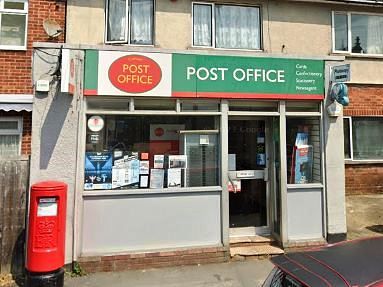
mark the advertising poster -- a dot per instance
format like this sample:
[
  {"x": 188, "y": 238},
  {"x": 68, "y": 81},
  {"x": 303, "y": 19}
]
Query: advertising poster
[
  {"x": 174, "y": 177},
  {"x": 177, "y": 161},
  {"x": 159, "y": 160},
  {"x": 303, "y": 164},
  {"x": 144, "y": 167},
  {"x": 144, "y": 181},
  {"x": 98, "y": 170},
  {"x": 118, "y": 176},
  {"x": 132, "y": 169},
  {"x": 156, "y": 178}
]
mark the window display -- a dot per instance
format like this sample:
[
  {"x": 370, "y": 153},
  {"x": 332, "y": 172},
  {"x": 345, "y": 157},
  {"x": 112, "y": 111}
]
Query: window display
[
  {"x": 150, "y": 152},
  {"x": 303, "y": 150}
]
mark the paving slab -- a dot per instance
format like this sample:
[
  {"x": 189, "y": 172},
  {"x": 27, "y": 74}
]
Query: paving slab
[
  {"x": 364, "y": 215},
  {"x": 248, "y": 273}
]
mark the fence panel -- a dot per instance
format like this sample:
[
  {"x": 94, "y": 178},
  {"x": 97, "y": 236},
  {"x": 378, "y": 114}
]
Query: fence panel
[{"x": 14, "y": 181}]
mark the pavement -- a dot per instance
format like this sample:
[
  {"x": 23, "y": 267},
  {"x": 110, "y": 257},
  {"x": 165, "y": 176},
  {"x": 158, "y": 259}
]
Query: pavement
[
  {"x": 364, "y": 219},
  {"x": 248, "y": 273},
  {"x": 364, "y": 215}
]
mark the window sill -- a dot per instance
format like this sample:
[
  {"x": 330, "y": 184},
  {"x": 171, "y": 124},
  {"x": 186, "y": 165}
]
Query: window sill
[
  {"x": 361, "y": 162},
  {"x": 129, "y": 45},
  {"x": 13, "y": 48},
  {"x": 149, "y": 192},
  {"x": 197, "y": 48},
  {"x": 304, "y": 186},
  {"x": 357, "y": 56}
]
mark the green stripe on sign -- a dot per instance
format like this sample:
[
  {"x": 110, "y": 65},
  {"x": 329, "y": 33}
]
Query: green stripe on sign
[{"x": 91, "y": 70}]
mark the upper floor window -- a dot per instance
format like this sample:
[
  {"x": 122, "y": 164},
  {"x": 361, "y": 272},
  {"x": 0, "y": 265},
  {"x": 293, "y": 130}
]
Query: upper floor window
[
  {"x": 13, "y": 24},
  {"x": 226, "y": 26},
  {"x": 10, "y": 136},
  {"x": 357, "y": 33},
  {"x": 130, "y": 21}
]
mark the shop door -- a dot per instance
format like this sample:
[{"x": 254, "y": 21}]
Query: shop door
[{"x": 248, "y": 176}]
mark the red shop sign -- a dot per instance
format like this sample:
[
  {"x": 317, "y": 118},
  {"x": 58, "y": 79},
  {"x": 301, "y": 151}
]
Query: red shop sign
[{"x": 135, "y": 74}]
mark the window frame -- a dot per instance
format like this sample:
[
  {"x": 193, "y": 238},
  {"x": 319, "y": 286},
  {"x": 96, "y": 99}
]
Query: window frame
[
  {"x": 23, "y": 12},
  {"x": 127, "y": 35},
  {"x": 213, "y": 24},
  {"x": 349, "y": 119},
  {"x": 350, "y": 132},
  {"x": 349, "y": 33},
  {"x": 11, "y": 132},
  {"x": 175, "y": 110}
]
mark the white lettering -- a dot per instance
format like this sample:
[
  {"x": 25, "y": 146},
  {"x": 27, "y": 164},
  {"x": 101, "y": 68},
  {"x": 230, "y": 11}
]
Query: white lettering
[
  {"x": 190, "y": 71},
  {"x": 199, "y": 74},
  {"x": 235, "y": 76}
]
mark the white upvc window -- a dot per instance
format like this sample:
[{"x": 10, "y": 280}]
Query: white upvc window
[
  {"x": 226, "y": 26},
  {"x": 129, "y": 22},
  {"x": 13, "y": 24},
  {"x": 363, "y": 138},
  {"x": 11, "y": 130},
  {"x": 357, "y": 33}
]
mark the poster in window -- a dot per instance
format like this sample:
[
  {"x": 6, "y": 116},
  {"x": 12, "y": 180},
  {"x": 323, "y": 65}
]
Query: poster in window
[
  {"x": 156, "y": 178},
  {"x": 159, "y": 160},
  {"x": 144, "y": 181},
  {"x": 132, "y": 169},
  {"x": 174, "y": 177},
  {"x": 118, "y": 176},
  {"x": 98, "y": 170},
  {"x": 144, "y": 167},
  {"x": 303, "y": 164},
  {"x": 177, "y": 161}
]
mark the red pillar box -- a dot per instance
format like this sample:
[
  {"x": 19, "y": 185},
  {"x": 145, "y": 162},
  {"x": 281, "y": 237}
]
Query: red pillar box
[{"x": 46, "y": 227}]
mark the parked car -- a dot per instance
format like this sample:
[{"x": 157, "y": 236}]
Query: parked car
[{"x": 351, "y": 263}]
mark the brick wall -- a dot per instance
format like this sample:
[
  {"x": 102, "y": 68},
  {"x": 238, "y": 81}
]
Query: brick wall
[
  {"x": 365, "y": 100},
  {"x": 27, "y": 129},
  {"x": 154, "y": 259},
  {"x": 364, "y": 179},
  {"x": 15, "y": 66}
]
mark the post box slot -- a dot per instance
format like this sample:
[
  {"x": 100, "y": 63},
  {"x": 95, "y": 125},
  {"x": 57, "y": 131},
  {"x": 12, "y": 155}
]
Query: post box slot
[{"x": 47, "y": 207}]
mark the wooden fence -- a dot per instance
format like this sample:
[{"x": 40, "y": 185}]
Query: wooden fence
[{"x": 14, "y": 181}]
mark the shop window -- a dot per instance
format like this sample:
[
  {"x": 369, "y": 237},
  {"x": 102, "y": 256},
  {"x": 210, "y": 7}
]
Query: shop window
[
  {"x": 364, "y": 138},
  {"x": 303, "y": 150},
  {"x": 297, "y": 106},
  {"x": 130, "y": 21},
  {"x": 10, "y": 136},
  {"x": 155, "y": 104},
  {"x": 202, "y": 106},
  {"x": 108, "y": 104},
  {"x": 366, "y": 33},
  {"x": 253, "y": 106},
  {"x": 13, "y": 24},
  {"x": 226, "y": 26},
  {"x": 129, "y": 152}
]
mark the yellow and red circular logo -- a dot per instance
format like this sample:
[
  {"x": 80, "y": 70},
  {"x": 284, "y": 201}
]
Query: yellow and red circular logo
[{"x": 135, "y": 74}]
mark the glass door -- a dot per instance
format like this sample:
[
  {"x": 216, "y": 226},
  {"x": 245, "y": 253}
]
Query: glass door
[{"x": 248, "y": 176}]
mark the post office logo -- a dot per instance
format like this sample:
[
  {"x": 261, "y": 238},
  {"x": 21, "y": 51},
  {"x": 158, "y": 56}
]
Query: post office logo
[{"x": 135, "y": 74}]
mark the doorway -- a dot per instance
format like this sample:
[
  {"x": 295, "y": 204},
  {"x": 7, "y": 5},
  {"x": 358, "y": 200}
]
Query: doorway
[{"x": 248, "y": 176}]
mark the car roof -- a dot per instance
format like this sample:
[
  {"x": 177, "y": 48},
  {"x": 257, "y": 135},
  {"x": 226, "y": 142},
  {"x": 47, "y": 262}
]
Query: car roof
[{"x": 350, "y": 263}]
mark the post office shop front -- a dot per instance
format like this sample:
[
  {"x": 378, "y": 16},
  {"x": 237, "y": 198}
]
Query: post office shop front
[{"x": 184, "y": 151}]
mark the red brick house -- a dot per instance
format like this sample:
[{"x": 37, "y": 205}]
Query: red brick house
[{"x": 21, "y": 24}]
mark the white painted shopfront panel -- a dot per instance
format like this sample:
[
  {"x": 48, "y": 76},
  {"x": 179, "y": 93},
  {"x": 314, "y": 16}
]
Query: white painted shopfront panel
[
  {"x": 142, "y": 222},
  {"x": 304, "y": 214}
]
